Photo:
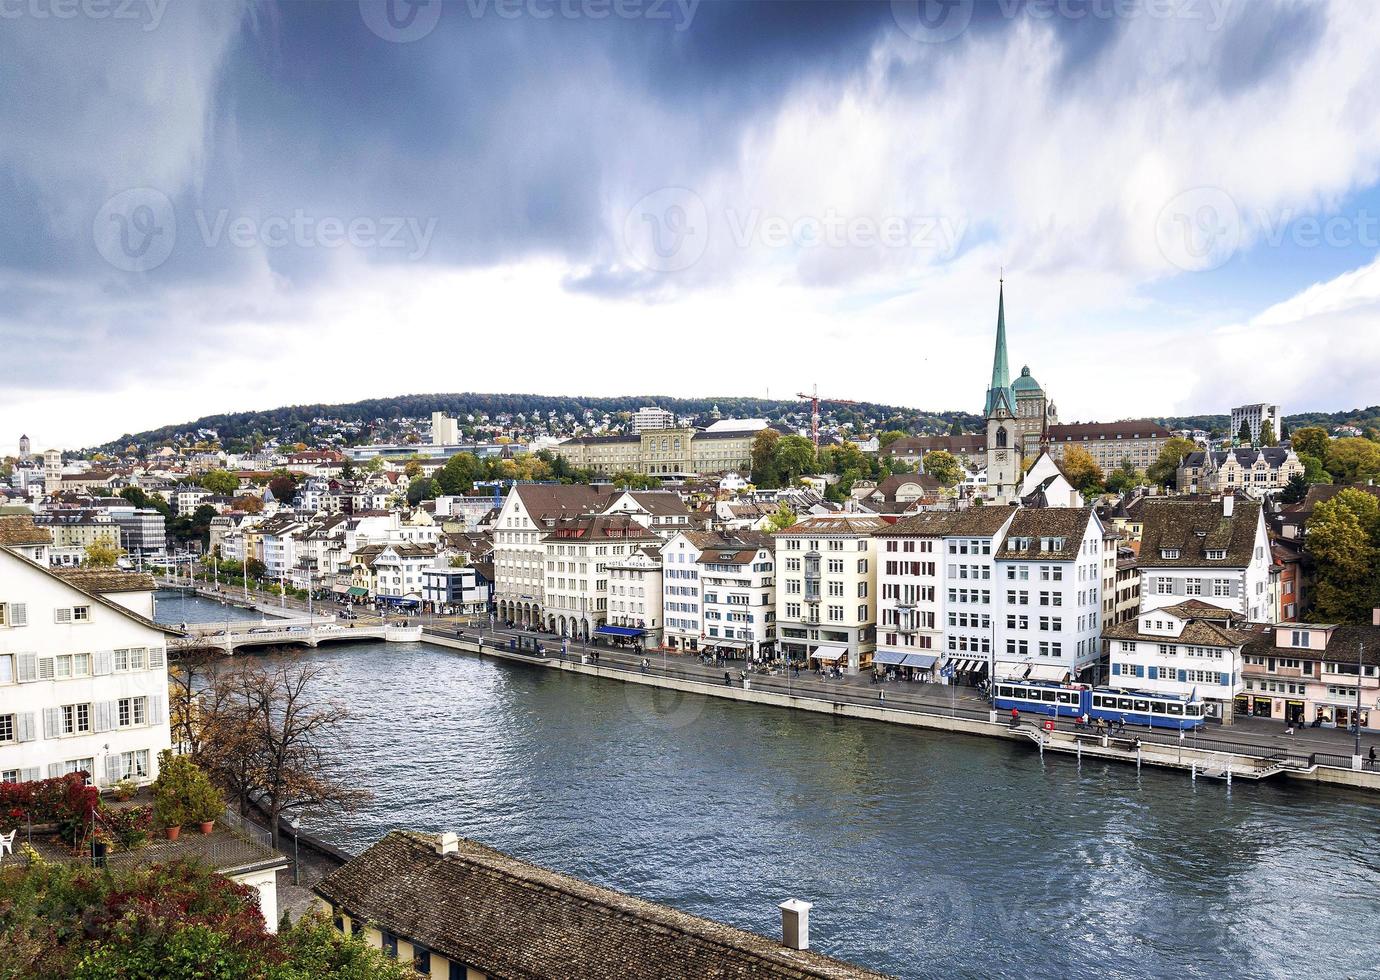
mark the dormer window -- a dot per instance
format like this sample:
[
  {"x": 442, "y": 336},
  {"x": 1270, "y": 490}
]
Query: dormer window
[
  {"x": 1300, "y": 638},
  {"x": 1169, "y": 554},
  {"x": 1216, "y": 554}
]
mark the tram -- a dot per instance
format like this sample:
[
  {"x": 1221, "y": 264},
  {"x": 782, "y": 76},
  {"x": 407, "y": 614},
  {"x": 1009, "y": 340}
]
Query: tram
[{"x": 1148, "y": 708}]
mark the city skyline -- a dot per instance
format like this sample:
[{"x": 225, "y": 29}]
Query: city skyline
[{"x": 523, "y": 187}]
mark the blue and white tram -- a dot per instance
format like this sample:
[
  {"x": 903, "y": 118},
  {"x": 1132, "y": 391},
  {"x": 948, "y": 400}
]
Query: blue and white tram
[
  {"x": 1155, "y": 710},
  {"x": 1047, "y": 699},
  {"x": 1041, "y": 698}
]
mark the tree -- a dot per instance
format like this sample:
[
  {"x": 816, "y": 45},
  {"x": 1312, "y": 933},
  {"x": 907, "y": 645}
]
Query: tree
[
  {"x": 782, "y": 519},
  {"x": 102, "y": 555},
  {"x": 1343, "y": 544},
  {"x": 419, "y": 490},
  {"x": 1295, "y": 490},
  {"x": 1313, "y": 471},
  {"x": 1124, "y": 477},
  {"x": 283, "y": 486},
  {"x": 457, "y": 477},
  {"x": 1267, "y": 434},
  {"x": 628, "y": 480},
  {"x": 794, "y": 457},
  {"x": 1081, "y": 470},
  {"x": 1243, "y": 434},
  {"x": 221, "y": 481},
  {"x": 248, "y": 503},
  {"x": 1311, "y": 439},
  {"x": 764, "y": 472},
  {"x": 1164, "y": 469},
  {"x": 1353, "y": 460},
  {"x": 887, "y": 438},
  {"x": 943, "y": 466},
  {"x": 1283, "y": 430},
  {"x": 413, "y": 468}
]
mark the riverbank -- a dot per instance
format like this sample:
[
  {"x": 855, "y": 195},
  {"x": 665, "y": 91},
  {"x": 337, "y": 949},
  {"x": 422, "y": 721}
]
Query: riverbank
[{"x": 1213, "y": 759}]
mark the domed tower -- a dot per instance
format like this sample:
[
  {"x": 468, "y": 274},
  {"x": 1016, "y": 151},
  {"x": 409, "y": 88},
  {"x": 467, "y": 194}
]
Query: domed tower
[{"x": 1031, "y": 412}]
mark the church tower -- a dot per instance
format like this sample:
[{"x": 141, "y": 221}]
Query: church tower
[{"x": 1003, "y": 436}]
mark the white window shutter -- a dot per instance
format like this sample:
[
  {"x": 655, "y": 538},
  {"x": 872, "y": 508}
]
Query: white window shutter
[
  {"x": 103, "y": 715},
  {"x": 25, "y": 727},
  {"x": 62, "y": 615},
  {"x": 112, "y": 768},
  {"x": 45, "y": 668},
  {"x": 102, "y": 662},
  {"x": 26, "y": 665},
  {"x": 156, "y": 657},
  {"x": 155, "y": 713},
  {"x": 28, "y": 775},
  {"x": 19, "y": 614},
  {"x": 52, "y": 722},
  {"x": 54, "y": 770}
]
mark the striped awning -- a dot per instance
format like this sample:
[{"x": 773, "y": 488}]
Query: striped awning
[{"x": 829, "y": 654}]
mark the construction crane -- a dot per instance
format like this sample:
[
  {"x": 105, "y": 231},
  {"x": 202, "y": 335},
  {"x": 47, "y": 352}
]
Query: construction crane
[{"x": 814, "y": 400}]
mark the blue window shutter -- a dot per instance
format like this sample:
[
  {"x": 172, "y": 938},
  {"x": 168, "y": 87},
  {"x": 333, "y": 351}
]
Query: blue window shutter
[
  {"x": 1140, "y": 670},
  {"x": 1116, "y": 668},
  {"x": 1226, "y": 678},
  {"x": 1183, "y": 676},
  {"x": 1154, "y": 673}
]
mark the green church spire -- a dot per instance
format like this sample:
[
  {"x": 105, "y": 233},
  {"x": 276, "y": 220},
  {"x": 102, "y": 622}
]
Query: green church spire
[{"x": 1001, "y": 372}]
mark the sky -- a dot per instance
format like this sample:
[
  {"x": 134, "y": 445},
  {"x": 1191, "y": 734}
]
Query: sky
[{"x": 228, "y": 206}]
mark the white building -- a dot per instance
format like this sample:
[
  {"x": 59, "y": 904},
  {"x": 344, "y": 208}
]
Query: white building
[
  {"x": 578, "y": 552},
  {"x": 826, "y": 598},
  {"x": 635, "y": 591},
  {"x": 660, "y": 511},
  {"x": 529, "y": 511},
  {"x": 1048, "y": 592},
  {"x": 935, "y": 591},
  {"x": 738, "y": 582},
  {"x": 444, "y": 430},
  {"x": 1189, "y": 649},
  {"x": 83, "y": 676},
  {"x": 1217, "y": 551},
  {"x": 1255, "y": 416},
  {"x": 650, "y": 418},
  {"x": 681, "y": 601}
]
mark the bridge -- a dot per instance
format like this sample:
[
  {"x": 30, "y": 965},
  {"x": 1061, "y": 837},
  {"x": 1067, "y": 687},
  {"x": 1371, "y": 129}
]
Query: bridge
[{"x": 302, "y": 633}]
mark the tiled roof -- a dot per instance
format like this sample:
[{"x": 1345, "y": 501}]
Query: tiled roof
[
  {"x": 960, "y": 444},
  {"x": 600, "y": 527},
  {"x": 511, "y": 919},
  {"x": 1343, "y": 644},
  {"x": 551, "y": 501},
  {"x": 1068, "y": 523},
  {"x": 95, "y": 596},
  {"x": 835, "y": 524},
  {"x": 1194, "y": 527},
  {"x": 19, "y": 531},
  {"x": 975, "y": 521},
  {"x": 1095, "y": 431},
  {"x": 104, "y": 580}
]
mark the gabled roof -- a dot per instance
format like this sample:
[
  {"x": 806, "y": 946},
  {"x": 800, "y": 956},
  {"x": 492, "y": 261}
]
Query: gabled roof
[
  {"x": 1094, "y": 431},
  {"x": 537, "y": 923},
  {"x": 18, "y": 530},
  {"x": 95, "y": 596},
  {"x": 1193, "y": 527},
  {"x": 1068, "y": 523},
  {"x": 553, "y": 501},
  {"x": 102, "y": 580},
  {"x": 972, "y": 522}
]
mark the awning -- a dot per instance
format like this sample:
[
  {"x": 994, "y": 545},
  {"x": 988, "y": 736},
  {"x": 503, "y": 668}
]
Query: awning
[
  {"x": 893, "y": 657},
  {"x": 829, "y": 654},
  {"x": 355, "y": 590},
  {"x": 1035, "y": 672},
  {"x": 608, "y": 630},
  {"x": 924, "y": 661}
]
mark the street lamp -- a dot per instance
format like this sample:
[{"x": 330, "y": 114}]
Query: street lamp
[
  {"x": 1360, "y": 679},
  {"x": 296, "y": 826}
]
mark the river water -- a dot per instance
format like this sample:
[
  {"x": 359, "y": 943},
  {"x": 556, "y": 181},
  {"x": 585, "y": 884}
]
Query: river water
[{"x": 925, "y": 855}]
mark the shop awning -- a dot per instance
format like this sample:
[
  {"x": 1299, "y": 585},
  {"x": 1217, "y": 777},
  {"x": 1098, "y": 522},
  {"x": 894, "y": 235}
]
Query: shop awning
[
  {"x": 893, "y": 657},
  {"x": 829, "y": 654},
  {"x": 1036, "y": 672},
  {"x": 608, "y": 630},
  {"x": 355, "y": 590},
  {"x": 923, "y": 661}
]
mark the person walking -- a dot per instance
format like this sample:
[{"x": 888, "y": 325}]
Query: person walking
[
  {"x": 1372, "y": 756},
  {"x": 1015, "y": 717},
  {"x": 728, "y": 680}
]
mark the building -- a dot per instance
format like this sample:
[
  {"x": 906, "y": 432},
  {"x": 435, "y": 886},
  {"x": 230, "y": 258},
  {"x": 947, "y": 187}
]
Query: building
[
  {"x": 391, "y": 573},
  {"x": 83, "y": 669},
  {"x": 826, "y": 596},
  {"x": 635, "y": 593},
  {"x": 1017, "y": 415},
  {"x": 455, "y": 591},
  {"x": 143, "y": 530},
  {"x": 1256, "y": 417},
  {"x": 934, "y": 591},
  {"x": 1110, "y": 444},
  {"x": 453, "y": 908},
  {"x": 675, "y": 453},
  {"x": 74, "y": 530},
  {"x": 1214, "y": 550},
  {"x": 25, "y": 450},
  {"x": 444, "y": 430},
  {"x": 660, "y": 511},
  {"x": 1048, "y": 595},
  {"x": 577, "y": 553},
  {"x": 738, "y": 578},
  {"x": 650, "y": 417},
  {"x": 1307, "y": 672},
  {"x": 1256, "y": 471},
  {"x": 529, "y": 511},
  {"x": 913, "y": 449},
  {"x": 1191, "y": 649}
]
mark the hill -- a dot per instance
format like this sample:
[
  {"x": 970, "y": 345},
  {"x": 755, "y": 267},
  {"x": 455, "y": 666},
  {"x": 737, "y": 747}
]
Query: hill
[{"x": 380, "y": 418}]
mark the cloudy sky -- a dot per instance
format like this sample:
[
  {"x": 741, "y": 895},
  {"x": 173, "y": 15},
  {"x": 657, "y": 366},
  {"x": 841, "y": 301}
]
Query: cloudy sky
[{"x": 216, "y": 207}]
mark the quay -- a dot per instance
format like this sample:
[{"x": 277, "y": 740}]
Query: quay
[{"x": 1196, "y": 756}]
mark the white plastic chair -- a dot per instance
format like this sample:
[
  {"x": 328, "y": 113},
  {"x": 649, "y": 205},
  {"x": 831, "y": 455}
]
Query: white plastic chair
[{"x": 7, "y": 843}]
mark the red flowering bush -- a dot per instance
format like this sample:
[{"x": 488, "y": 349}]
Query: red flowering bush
[{"x": 65, "y": 801}]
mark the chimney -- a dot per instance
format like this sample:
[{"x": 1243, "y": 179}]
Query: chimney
[
  {"x": 447, "y": 843},
  {"x": 1228, "y": 502},
  {"x": 795, "y": 924}
]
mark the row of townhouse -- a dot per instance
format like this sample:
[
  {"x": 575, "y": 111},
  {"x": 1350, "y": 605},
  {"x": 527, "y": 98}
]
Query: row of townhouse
[
  {"x": 719, "y": 593},
  {"x": 83, "y": 675}
]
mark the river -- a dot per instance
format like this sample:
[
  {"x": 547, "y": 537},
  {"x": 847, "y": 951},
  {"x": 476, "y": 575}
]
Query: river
[{"x": 925, "y": 854}]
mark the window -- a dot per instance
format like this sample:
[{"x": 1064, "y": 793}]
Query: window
[
  {"x": 134, "y": 765},
  {"x": 7, "y": 728},
  {"x": 421, "y": 960},
  {"x": 390, "y": 945},
  {"x": 1163, "y": 586},
  {"x": 132, "y": 711},
  {"x": 75, "y": 719},
  {"x": 6, "y": 668}
]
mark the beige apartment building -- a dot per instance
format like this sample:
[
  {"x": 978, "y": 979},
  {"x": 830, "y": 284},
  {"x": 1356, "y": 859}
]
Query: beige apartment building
[
  {"x": 826, "y": 595},
  {"x": 668, "y": 453}
]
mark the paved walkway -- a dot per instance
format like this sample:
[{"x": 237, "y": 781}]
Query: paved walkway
[{"x": 1247, "y": 736}]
